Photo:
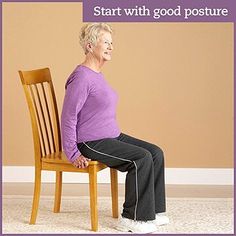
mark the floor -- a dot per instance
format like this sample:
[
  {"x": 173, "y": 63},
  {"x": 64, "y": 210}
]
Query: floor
[
  {"x": 187, "y": 215},
  {"x": 191, "y": 209}
]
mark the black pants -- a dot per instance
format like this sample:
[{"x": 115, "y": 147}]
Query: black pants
[{"x": 145, "y": 184}]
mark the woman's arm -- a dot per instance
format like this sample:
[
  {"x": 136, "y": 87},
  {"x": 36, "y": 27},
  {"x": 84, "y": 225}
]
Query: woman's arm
[{"x": 77, "y": 91}]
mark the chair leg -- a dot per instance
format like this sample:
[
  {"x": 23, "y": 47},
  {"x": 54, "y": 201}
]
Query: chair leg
[
  {"x": 37, "y": 187},
  {"x": 58, "y": 189},
  {"x": 114, "y": 192},
  {"x": 93, "y": 196}
]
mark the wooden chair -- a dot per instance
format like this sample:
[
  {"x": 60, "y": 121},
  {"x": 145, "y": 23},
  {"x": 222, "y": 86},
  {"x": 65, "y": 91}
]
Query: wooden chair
[{"x": 41, "y": 100}]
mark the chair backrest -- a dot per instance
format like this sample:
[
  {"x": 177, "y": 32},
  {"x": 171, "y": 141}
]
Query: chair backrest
[{"x": 41, "y": 100}]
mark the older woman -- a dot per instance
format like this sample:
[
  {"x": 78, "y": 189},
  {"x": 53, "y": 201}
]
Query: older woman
[{"x": 90, "y": 132}]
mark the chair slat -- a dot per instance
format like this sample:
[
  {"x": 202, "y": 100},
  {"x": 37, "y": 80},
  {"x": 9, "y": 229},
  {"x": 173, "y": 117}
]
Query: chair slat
[
  {"x": 47, "y": 141},
  {"x": 38, "y": 119},
  {"x": 49, "y": 118},
  {"x": 44, "y": 121},
  {"x": 55, "y": 117},
  {"x": 36, "y": 136}
]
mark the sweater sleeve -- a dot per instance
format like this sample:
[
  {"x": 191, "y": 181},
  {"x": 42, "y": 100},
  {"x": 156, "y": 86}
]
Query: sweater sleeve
[{"x": 77, "y": 90}]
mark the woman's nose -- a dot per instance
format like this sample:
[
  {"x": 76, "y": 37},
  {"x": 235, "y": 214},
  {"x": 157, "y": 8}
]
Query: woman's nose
[{"x": 110, "y": 47}]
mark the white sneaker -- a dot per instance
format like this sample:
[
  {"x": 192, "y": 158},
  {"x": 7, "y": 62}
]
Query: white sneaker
[
  {"x": 128, "y": 225},
  {"x": 161, "y": 220}
]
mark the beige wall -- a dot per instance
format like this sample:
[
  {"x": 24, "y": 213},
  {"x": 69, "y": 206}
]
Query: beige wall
[{"x": 175, "y": 80}]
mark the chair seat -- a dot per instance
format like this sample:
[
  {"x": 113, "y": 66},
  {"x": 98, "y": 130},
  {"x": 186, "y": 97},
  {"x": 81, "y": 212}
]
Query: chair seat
[{"x": 60, "y": 158}]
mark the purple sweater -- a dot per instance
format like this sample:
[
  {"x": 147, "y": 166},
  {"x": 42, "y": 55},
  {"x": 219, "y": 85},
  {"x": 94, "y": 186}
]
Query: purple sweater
[{"x": 89, "y": 110}]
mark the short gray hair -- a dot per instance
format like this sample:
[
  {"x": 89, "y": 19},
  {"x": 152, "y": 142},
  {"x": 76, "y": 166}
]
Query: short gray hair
[{"x": 90, "y": 32}]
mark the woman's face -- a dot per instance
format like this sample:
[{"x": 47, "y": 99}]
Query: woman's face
[{"x": 103, "y": 49}]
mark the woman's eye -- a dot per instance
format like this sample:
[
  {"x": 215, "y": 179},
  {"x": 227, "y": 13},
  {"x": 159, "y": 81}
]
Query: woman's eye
[{"x": 106, "y": 42}]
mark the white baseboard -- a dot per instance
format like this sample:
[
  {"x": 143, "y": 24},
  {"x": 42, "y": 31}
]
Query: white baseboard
[{"x": 198, "y": 176}]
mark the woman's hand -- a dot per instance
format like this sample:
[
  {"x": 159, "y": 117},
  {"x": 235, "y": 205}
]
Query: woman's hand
[{"x": 81, "y": 162}]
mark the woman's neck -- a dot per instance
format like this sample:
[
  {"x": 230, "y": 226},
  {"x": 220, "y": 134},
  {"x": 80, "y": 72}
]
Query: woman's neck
[{"x": 93, "y": 64}]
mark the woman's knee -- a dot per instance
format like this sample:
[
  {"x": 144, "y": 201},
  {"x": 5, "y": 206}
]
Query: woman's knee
[
  {"x": 157, "y": 151},
  {"x": 158, "y": 155},
  {"x": 158, "y": 158}
]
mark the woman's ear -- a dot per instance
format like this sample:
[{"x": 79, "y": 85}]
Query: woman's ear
[{"x": 89, "y": 47}]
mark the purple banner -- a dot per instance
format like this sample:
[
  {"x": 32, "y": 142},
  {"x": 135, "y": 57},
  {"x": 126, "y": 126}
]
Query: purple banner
[{"x": 159, "y": 11}]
